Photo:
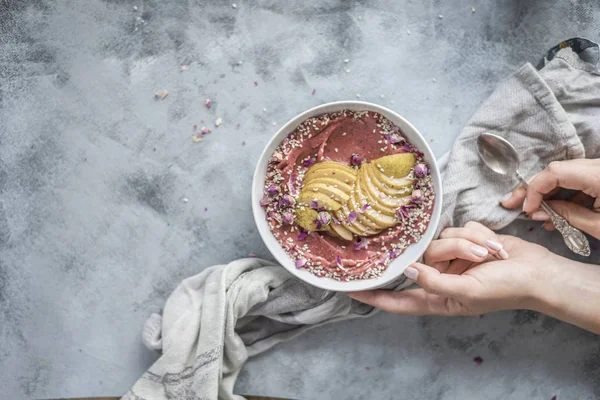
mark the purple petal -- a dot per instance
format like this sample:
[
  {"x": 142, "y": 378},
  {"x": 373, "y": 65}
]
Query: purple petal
[
  {"x": 364, "y": 208},
  {"x": 394, "y": 138},
  {"x": 394, "y": 254},
  {"x": 301, "y": 262},
  {"x": 302, "y": 235},
  {"x": 288, "y": 218},
  {"x": 308, "y": 162},
  {"x": 421, "y": 170},
  {"x": 361, "y": 244},
  {"x": 338, "y": 261},
  {"x": 324, "y": 218},
  {"x": 336, "y": 221},
  {"x": 417, "y": 196},
  {"x": 264, "y": 201},
  {"x": 406, "y": 148},
  {"x": 272, "y": 191},
  {"x": 351, "y": 217},
  {"x": 314, "y": 204},
  {"x": 355, "y": 160}
]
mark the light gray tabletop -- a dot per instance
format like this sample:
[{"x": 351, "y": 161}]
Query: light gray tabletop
[{"x": 95, "y": 231}]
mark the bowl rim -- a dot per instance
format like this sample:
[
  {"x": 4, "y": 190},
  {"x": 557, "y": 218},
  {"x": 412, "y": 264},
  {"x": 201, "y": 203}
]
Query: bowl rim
[{"x": 267, "y": 236}]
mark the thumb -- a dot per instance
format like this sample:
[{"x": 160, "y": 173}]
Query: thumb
[
  {"x": 580, "y": 217},
  {"x": 435, "y": 282}
]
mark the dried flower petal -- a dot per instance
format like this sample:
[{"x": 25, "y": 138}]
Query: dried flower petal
[
  {"x": 394, "y": 254},
  {"x": 335, "y": 221},
  {"x": 218, "y": 122},
  {"x": 255, "y": 83},
  {"x": 478, "y": 360},
  {"x": 362, "y": 243},
  {"x": 324, "y": 218},
  {"x": 338, "y": 261},
  {"x": 194, "y": 128},
  {"x": 292, "y": 185},
  {"x": 301, "y": 262},
  {"x": 288, "y": 217},
  {"x": 302, "y": 235},
  {"x": 204, "y": 130},
  {"x": 314, "y": 204},
  {"x": 161, "y": 95},
  {"x": 394, "y": 138},
  {"x": 355, "y": 160},
  {"x": 417, "y": 196},
  {"x": 406, "y": 148},
  {"x": 264, "y": 201},
  {"x": 287, "y": 201},
  {"x": 421, "y": 170},
  {"x": 308, "y": 162},
  {"x": 402, "y": 212},
  {"x": 352, "y": 217},
  {"x": 208, "y": 103},
  {"x": 365, "y": 207},
  {"x": 272, "y": 191},
  {"x": 314, "y": 91}
]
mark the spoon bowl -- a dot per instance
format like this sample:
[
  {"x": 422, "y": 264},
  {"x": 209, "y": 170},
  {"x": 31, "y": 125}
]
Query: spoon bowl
[{"x": 498, "y": 154}]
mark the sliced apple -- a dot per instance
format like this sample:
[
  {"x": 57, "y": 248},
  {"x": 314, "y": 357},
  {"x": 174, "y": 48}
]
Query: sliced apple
[
  {"x": 382, "y": 193},
  {"x": 344, "y": 187},
  {"x": 340, "y": 174},
  {"x": 330, "y": 191},
  {"x": 395, "y": 186},
  {"x": 365, "y": 196},
  {"x": 341, "y": 231},
  {"x": 331, "y": 165},
  {"x": 305, "y": 217},
  {"x": 396, "y": 165},
  {"x": 323, "y": 200}
]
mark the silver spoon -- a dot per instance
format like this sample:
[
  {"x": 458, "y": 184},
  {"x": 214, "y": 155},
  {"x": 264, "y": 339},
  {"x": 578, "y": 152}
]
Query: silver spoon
[{"x": 501, "y": 157}]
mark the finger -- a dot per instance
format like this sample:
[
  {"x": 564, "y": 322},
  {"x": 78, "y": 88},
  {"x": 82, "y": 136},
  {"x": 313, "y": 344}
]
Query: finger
[
  {"x": 458, "y": 267},
  {"x": 409, "y": 302},
  {"x": 580, "y": 217},
  {"x": 514, "y": 199},
  {"x": 451, "y": 249},
  {"x": 572, "y": 174},
  {"x": 549, "y": 226},
  {"x": 435, "y": 282},
  {"x": 478, "y": 234}
]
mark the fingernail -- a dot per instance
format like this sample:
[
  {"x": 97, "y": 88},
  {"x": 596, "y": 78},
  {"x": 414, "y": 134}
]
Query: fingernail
[
  {"x": 479, "y": 251},
  {"x": 411, "y": 273},
  {"x": 506, "y": 197},
  {"x": 540, "y": 216},
  {"x": 502, "y": 253},
  {"x": 524, "y": 204},
  {"x": 493, "y": 245}
]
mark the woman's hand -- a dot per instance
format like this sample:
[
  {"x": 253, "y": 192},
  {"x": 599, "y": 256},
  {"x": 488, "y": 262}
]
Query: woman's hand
[
  {"x": 583, "y": 212},
  {"x": 470, "y": 270},
  {"x": 474, "y": 271}
]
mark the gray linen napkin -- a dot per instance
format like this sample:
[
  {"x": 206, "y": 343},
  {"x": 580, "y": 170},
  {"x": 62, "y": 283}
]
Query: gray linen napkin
[{"x": 215, "y": 320}]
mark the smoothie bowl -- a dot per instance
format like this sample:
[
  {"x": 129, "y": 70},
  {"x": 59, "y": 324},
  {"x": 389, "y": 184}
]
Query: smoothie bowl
[{"x": 347, "y": 195}]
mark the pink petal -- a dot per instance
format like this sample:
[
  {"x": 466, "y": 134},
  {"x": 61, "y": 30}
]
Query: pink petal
[
  {"x": 302, "y": 235},
  {"x": 301, "y": 262},
  {"x": 352, "y": 217}
]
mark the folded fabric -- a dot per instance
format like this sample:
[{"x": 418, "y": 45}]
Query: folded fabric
[{"x": 215, "y": 320}]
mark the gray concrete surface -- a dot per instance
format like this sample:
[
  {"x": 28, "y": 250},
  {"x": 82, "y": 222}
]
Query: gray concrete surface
[{"x": 94, "y": 233}]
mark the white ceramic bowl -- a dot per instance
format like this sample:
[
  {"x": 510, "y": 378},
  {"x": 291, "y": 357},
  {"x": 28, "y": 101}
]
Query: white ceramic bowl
[{"x": 396, "y": 267}]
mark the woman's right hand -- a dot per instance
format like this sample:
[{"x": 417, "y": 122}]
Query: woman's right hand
[{"x": 583, "y": 211}]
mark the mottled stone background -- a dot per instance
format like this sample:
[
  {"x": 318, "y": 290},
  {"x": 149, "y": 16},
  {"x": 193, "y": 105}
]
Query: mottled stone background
[{"x": 94, "y": 232}]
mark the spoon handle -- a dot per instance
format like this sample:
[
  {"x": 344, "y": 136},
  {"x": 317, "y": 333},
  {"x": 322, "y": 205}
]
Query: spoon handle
[{"x": 574, "y": 239}]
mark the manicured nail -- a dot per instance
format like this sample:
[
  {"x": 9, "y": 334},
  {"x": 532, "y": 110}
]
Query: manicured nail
[
  {"x": 411, "y": 273},
  {"x": 479, "y": 251},
  {"x": 493, "y": 245},
  {"x": 502, "y": 253},
  {"x": 540, "y": 216},
  {"x": 506, "y": 197},
  {"x": 524, "y": 204}
]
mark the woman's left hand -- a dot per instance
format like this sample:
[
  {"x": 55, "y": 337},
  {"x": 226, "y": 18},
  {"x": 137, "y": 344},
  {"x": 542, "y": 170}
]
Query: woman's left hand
[{"x": 471, "y": 270}]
